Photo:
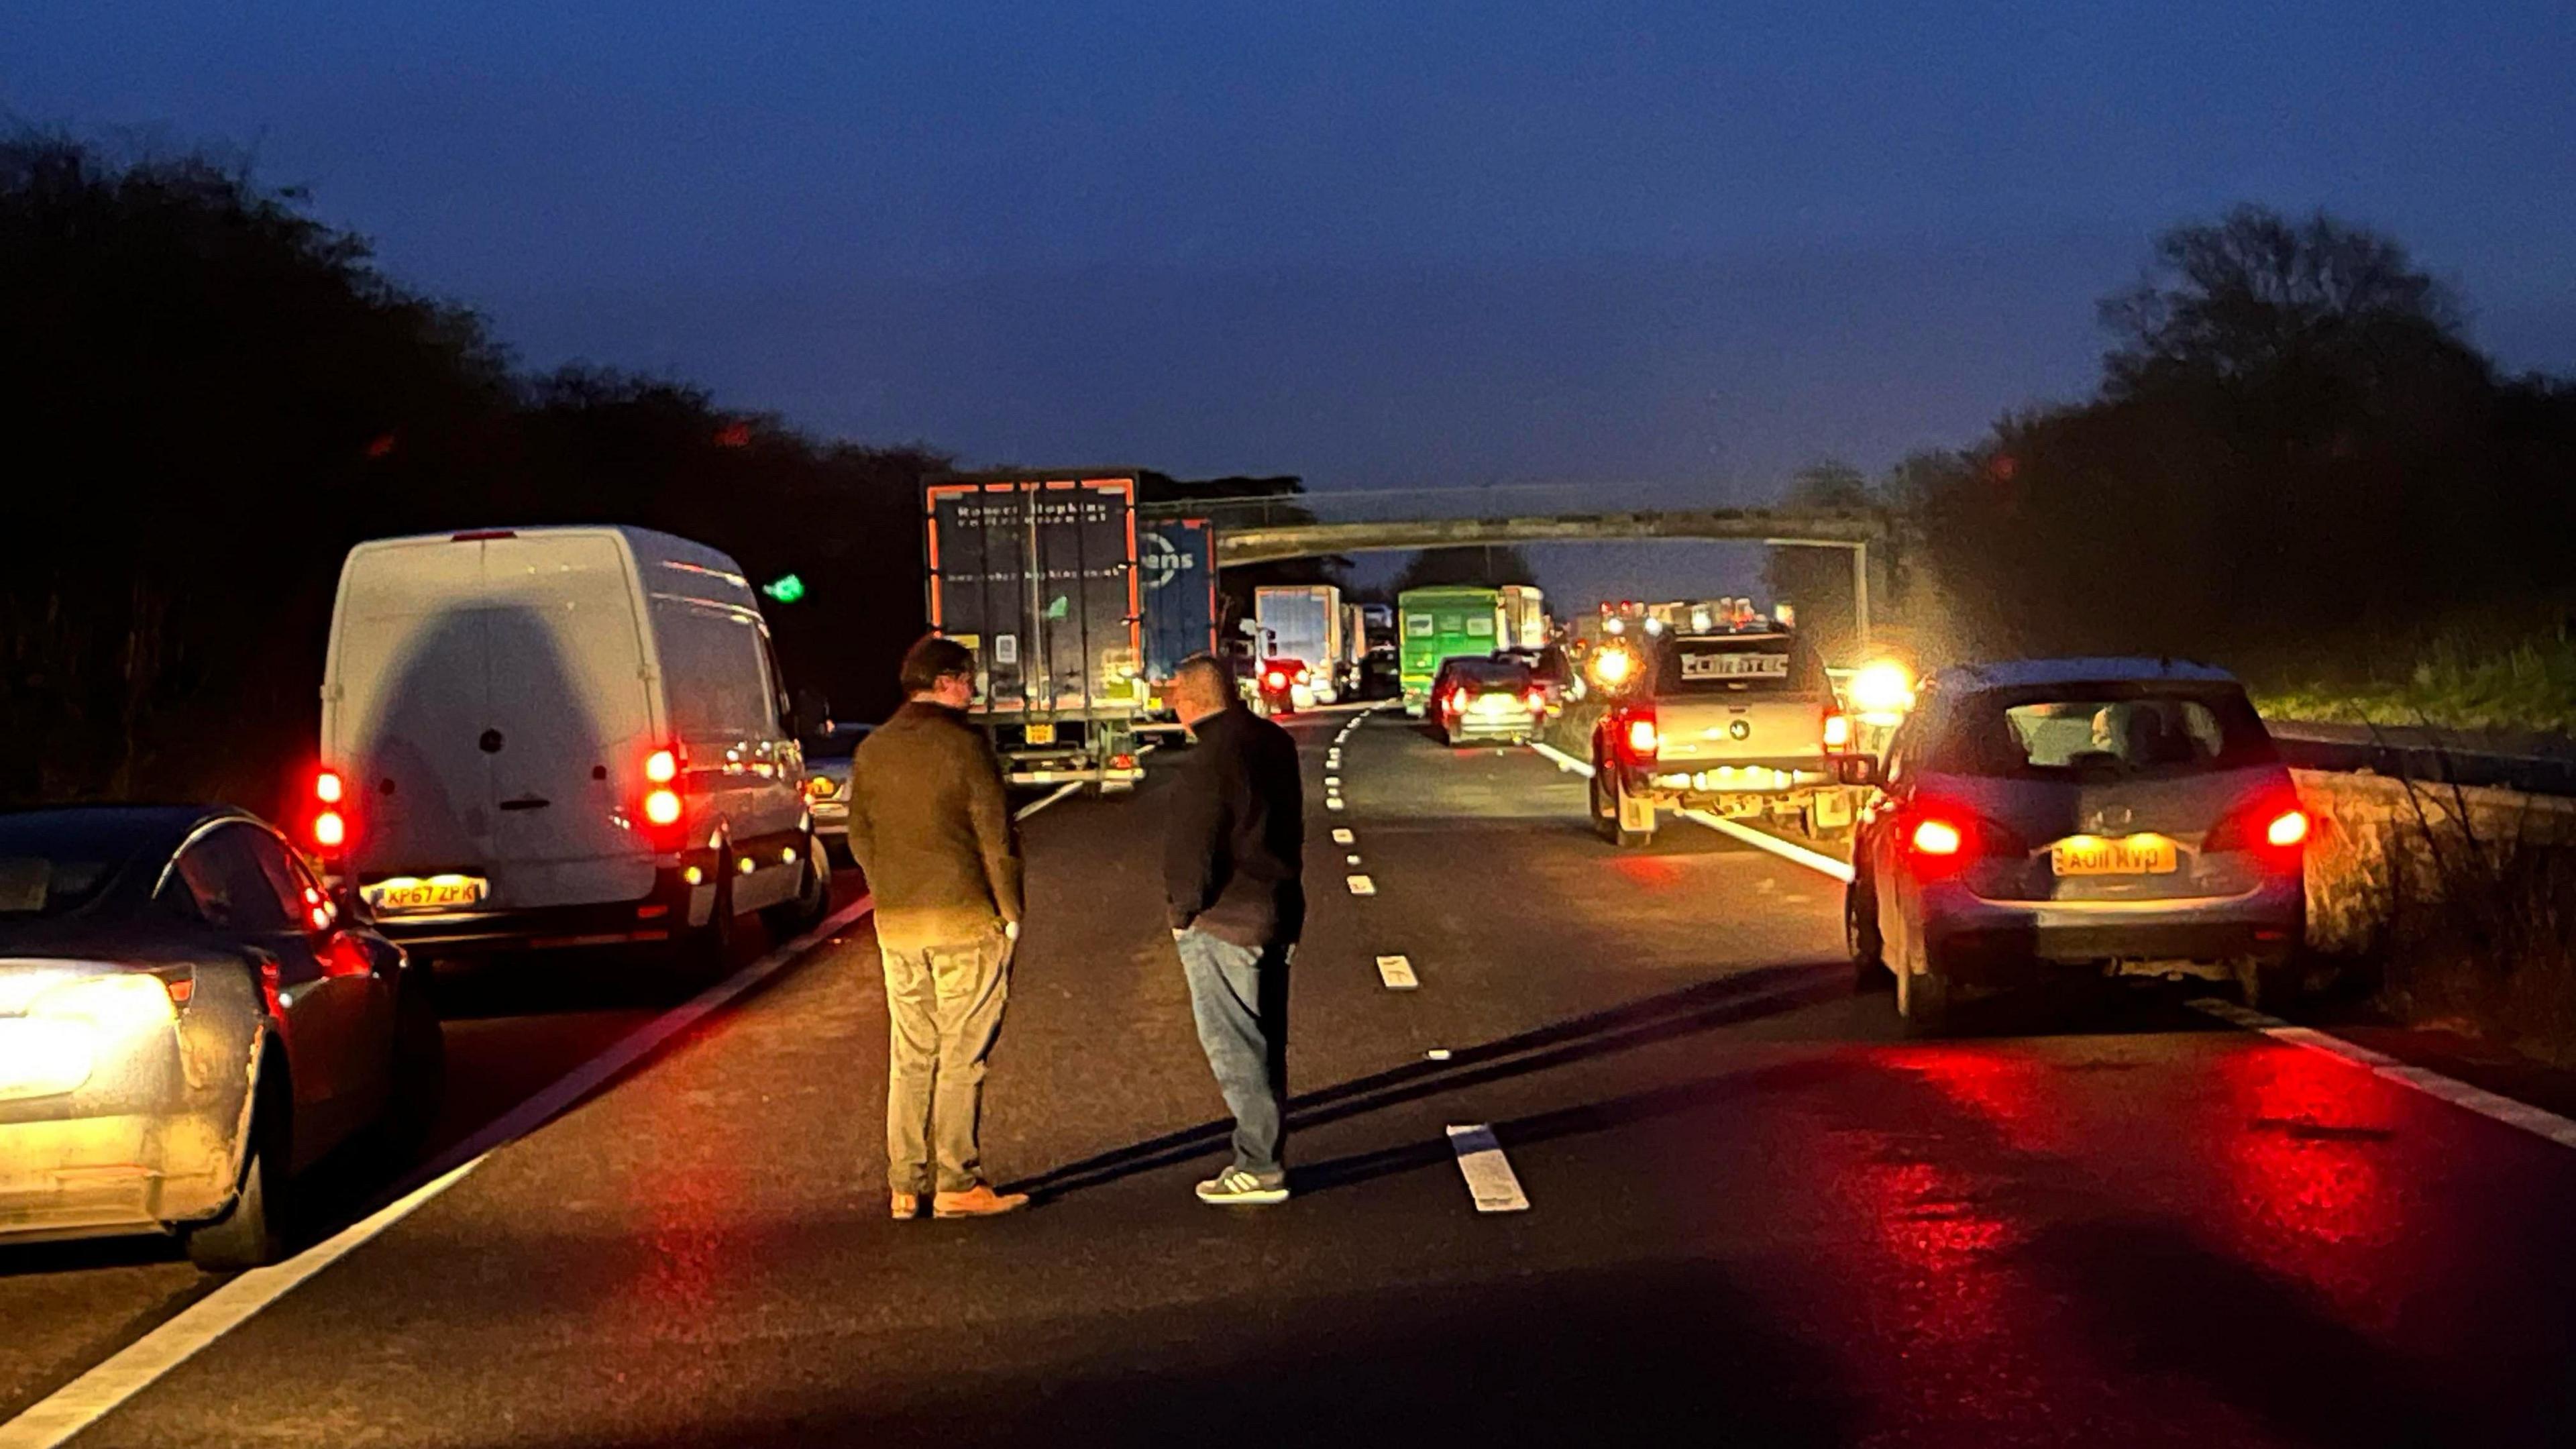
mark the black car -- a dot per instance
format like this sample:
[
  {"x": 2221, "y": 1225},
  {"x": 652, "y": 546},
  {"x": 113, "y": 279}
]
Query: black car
[{"x": 187, "y": 1019}]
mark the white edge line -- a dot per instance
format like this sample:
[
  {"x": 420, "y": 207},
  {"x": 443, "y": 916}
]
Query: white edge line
[
  {"x": 2538, "y": 1121},
  {"x": 75, "y": 1406},
  {"x": 1816, "y": 861},
  {"x": 1034, "y": 806}
]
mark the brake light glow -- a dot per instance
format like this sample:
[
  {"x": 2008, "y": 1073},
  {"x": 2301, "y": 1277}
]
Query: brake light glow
[
  {"x": 1935, "y": 836},
  {"x": 1641, "y": 737},
  {"x": 662, "y": 807},
  {"x": 662, "y": 766},
  {"x": 328, "y": 788},
  {"x": 330, "y": 830},
  {"x": 1278, "y": 680},
  {"x": 1536, "y": 700},
  {"x": 2287, "y": 829}
]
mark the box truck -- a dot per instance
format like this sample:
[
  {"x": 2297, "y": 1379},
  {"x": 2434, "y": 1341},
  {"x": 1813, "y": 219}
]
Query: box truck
[{"x": 1303, "y": 622}]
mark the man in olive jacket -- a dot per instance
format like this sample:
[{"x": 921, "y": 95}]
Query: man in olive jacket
[{"x": 932, "y": 830}]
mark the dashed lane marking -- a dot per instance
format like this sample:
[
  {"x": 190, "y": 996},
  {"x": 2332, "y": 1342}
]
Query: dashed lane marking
[
  {"x": 1333, "y": 803},
  {"x": 1490, "y": 1180},
  {"x": 1816, "y": 861},
  {"x": 1361, "y": 885},
  {"x": 2531, "y": 1119},
  {"x": 87, "y": 1399},
  {"x": 1342, "y": 836},
  {"x": 1350, "y": 860},
  {"x": 1397, "y": 973}
]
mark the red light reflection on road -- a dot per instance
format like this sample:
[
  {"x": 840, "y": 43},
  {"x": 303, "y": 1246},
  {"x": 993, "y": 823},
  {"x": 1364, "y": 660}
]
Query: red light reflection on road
[
  {"x": 2300, "y": 1139},
  {"x": 2009, "y": 1090},
  {"x": 1654, "y": 872}
]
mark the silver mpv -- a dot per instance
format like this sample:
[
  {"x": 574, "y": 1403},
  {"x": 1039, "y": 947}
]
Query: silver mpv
[{"x": 2128, "y": 816}]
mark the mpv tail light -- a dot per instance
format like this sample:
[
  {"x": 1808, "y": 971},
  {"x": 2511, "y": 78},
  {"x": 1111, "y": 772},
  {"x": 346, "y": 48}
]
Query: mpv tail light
[
  {"x": 1941, "y": 839},
  {"x": 2271, "y": 824}
]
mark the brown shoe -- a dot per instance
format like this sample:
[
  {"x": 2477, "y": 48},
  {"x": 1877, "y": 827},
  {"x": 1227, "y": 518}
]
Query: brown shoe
[
  {"x": 907, "y": 1206},
  {"x": 979, "y": 1201}
]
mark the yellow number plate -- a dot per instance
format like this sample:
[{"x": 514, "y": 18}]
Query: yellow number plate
[
  {"x": 1040, "y": 734},
  {"x": 438, "y": 893},
  {"x": 2121, "y": 855}
]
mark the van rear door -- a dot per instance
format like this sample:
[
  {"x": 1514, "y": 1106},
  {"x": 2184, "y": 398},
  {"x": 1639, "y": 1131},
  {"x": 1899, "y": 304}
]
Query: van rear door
[
  {"x": 568, "y": 699},
  {"x": 489, "y": 702}
]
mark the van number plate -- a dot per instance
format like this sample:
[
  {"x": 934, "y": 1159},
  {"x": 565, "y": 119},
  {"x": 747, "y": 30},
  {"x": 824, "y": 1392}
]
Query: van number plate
[{"x": 437, "y": 893}]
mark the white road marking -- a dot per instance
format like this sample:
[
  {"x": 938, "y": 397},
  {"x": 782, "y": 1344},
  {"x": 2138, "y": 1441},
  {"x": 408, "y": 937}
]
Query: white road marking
[
  {"x": 1334, "y": 803},
  {"x": 1816, "y": 861},
  {"x": 1350, "y": 860},
  {"x": 2531, "y": 1119},
  {"x": 1437, "y": 1054},
  {"x": 1362, "y": 886},
  {"x": 1343, "y": 836},
  {"x": 1397, "y": 973},
  {"x": 1490, "y": 1180},
  {"x": 1034, "y": 806},
  {"x": 87, "y": 1399},
  {"x": 1332, "y": 782}
]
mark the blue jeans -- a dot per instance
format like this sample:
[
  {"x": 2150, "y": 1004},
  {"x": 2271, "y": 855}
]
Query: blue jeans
[{"x": 1240, "y": 997}]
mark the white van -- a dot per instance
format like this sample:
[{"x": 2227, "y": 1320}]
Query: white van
[{"x": 555, "y": 737}]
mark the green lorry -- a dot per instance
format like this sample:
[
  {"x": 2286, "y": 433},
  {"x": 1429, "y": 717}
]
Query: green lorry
[{"x": 1443, "y": 623}]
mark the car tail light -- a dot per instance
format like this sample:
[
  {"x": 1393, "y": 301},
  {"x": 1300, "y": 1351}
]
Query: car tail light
[
  {"x": 1536, "y": 700},
  {"x": 2271, "y": 824},
  {"x": 1838, "y": 732},
  {"x": 1942, "y": 839},
  {"x": 1303, "y": 676},
  {"x": 2288, "y": 830},
  {"x": 1277, "y": 680},
  {"x": 1933, "y": 835}
]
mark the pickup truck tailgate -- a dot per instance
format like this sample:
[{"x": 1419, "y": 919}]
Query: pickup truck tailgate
[{"x": 1744, "y": 729}]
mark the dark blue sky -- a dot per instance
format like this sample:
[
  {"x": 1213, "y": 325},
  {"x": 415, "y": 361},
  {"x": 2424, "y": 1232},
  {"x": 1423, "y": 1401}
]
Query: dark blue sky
[{"x": 1685, "y": 247}]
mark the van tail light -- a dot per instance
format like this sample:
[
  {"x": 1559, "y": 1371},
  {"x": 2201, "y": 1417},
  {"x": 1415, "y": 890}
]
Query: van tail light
[
  {"x": 1838, "y": 733},
  {"x": 662, "y": 807},
  {"x": 2271, "y": 824},
  {"x": 328, "y": 825}
]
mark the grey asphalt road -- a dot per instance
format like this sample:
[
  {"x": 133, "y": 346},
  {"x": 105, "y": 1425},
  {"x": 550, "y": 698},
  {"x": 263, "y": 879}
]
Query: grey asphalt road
[{"x": 1757, "y": 1214}]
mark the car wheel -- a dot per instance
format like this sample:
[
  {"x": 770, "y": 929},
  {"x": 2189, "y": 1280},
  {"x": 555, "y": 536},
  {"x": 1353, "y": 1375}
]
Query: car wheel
[
  {"x": 706, "y": 952},
  {"x": 1860, "y": 934},
  {"x": 1923, "y": 999},
  {"x": 2267, "y": 985},
  {"x": 250, "y": 1233},
  {"x": 1605, "y": 811},
  {"x": 813, "y": 900},
  {"x": 419, "y": 1081}
]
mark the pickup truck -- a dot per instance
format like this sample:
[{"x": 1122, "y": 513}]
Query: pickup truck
[{"x": 1741, "y": 724}]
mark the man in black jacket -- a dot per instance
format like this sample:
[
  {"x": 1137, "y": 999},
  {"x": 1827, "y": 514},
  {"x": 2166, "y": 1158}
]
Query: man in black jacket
[{"x": 1235, "y": 847}]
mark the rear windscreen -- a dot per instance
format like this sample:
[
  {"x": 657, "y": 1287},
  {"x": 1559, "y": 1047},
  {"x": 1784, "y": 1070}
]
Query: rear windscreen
[
  {"x": 1490, "y": 673},
  {"x": 1738, "y": 664},
  {"x": 2103, "y": 730}
]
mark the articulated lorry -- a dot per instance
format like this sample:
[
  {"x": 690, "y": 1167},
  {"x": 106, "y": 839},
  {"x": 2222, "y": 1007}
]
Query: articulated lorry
[
  {"x": 1035, "y": 573},
  {"x": 1176, "y": 572}
]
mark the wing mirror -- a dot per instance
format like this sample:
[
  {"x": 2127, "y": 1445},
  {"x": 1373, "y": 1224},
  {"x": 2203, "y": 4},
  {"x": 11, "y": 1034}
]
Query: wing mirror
[{"x": 1860, "y": 770}]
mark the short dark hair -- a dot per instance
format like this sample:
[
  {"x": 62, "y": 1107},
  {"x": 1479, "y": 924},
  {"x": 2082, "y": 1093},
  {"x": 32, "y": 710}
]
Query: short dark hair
[
  {"x": 1202, "y": 671},
  {"x": 932, "y": 659}
]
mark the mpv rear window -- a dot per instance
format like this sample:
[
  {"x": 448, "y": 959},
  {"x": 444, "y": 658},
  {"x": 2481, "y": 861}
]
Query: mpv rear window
[
  {"x": 2116, "y": 730},
  {"x": 1739, "y": 664}
]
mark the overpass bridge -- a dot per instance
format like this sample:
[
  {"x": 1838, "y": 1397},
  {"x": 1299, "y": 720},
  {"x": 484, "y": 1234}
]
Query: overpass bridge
[{"x": 1270, "y": 528}]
